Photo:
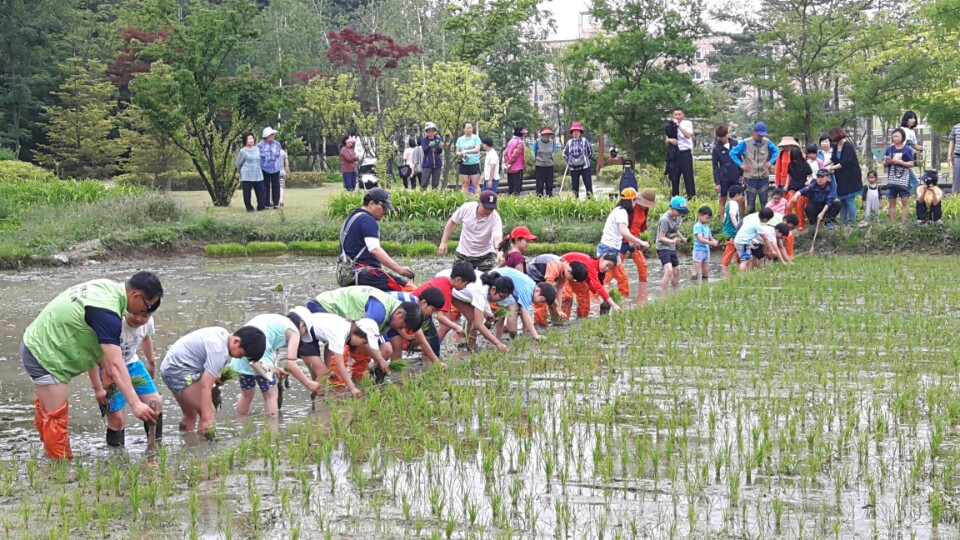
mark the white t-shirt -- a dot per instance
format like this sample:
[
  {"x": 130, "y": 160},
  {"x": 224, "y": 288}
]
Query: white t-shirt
[
  {"x": 911, "y": 135},
  {"x": 683, "y": 142},
  {"x": 283, "y": 163},
  {"x": 478, "y": 236},
  {"x": 474, "y": 293},
  {"x": 130, "y": 339},
  {"x": 611, "y": 236},
  {"x": 329, "y": 329},
  {"x": 491, "y": 160},
  {"x": 408, "y": 158},
  {"x": 201, "y": 350}
]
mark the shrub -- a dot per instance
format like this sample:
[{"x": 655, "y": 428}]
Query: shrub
[
  {"x": 225, "y": 250},
  {"x": 266, "y": 248},
  {"x": 7, "y": 154},
  {"x": 306, "y": 179},
  {"x": 21, "y": 170}
]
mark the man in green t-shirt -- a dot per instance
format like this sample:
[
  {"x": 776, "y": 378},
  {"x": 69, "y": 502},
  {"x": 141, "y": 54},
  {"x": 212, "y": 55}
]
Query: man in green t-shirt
[{"x": 77, "y": 330}]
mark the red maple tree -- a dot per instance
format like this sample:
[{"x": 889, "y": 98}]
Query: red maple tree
[
  {"x": 130, "y": 60},
  {"x": 366, "y": 56}
]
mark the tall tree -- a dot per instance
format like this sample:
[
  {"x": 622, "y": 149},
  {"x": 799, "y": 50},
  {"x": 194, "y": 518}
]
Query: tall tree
[
  {"x": 150, "y": 153},
  {"x": 80, "y": 127},
  {"x": 436, "y": 94},
  {"x": 198, "y": 96},
  {"x": 329, "y": 111},
  {"x": 367, "y": 57},
  {"x": 635, "y": 59},
  {"x": 29, "y": 56}
]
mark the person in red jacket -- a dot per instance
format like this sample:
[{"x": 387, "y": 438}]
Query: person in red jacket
[
  {"x": 781, "y": 171},
  {"x": 592, "y": 285}
]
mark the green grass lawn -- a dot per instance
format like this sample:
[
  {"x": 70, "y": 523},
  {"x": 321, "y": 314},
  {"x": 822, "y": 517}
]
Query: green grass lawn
[{"x": 298, "y": 202}]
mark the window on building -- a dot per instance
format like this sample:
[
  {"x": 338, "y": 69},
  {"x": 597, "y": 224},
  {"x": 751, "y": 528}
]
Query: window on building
[
  {"x": 538, "y": 98},
  {"x": 697, "y": 75},
  {"x": 698, "y": 55}
]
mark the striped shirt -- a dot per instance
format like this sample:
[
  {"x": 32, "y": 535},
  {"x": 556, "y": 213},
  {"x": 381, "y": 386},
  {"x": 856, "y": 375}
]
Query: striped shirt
[{"x": 954, "y": 138}]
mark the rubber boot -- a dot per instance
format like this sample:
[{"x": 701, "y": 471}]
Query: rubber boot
[
  {"x": 53, "y": 429},
  {"x": 159, "y": 427},
  {"x": 116, "y": 438}
]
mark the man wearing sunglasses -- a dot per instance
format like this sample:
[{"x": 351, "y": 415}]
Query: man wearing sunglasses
[{"x": 77, "y": 330}]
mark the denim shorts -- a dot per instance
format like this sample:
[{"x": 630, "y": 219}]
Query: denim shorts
[
  {"x": 178, "y": 384},
  {"x": 247, "y": 382},
  {"x": 603, "y": 250},
  {"x": 668, "y": 256},
  {"x": 136, "y": 369},
  {"x": 701, "y": 255},
  {"x": 744, "y": 251},
  {"x": 898, "y": 193}
]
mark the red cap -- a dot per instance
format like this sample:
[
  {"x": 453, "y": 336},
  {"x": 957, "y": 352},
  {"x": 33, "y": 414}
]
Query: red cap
[{"x": 522, "y": 232}]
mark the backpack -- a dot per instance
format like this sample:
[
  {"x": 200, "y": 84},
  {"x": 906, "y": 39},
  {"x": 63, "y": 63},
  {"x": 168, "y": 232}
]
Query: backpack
[{"x": 347, "y": 272}]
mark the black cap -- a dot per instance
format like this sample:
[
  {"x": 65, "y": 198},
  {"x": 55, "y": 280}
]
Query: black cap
[
  {"x": 379, "y": 195},
  {"x": 823, "y": 172},
  {"x": 488, "y": 199}
]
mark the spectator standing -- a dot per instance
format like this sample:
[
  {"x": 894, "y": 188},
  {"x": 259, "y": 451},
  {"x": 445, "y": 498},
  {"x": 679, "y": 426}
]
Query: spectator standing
[
  {"x": 348, "y": 163},
  {"x": 491, "y": 165},
  {"x": 468, "y": 154},
  {"x": 898, "y": 161},
  {"x": 846, "y": 174},
  {"x": 481, "y": 233},
  {"x": 908, "y": 124},
  {"x": 756, "y": 155},
  {"x": 579, "y": 157},
  {"x": 543, "y": 149},
  {"x": 271, "y": 164},
  {"x": 360, "y": 246},
  {"x": 408, "y": 169},
  {"x": 251, "y": 176},
  {"x": 954, "y": 153},
  {"x": 726, "y": 173},
  {"x": 684, "y": 143},
  {"x": 514, "y": 159},
  {"x": 784, "y": 159},
  {"x": 431, "y": 166},
  {"x": 284, "y": 171}
]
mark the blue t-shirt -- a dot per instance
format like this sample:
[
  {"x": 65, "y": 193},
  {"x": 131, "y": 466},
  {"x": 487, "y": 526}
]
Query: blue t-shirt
[
  {"x": 702, "y": 229},
  {"x": 274, "y": 327},
  {"x": 464, "y": 144},
  {"x": 523, "y": 287},
  {"x": 365, "y": 226},
  {"x": 903, "y": 154}
]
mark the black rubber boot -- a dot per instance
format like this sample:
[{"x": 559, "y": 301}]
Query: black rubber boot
[
  {"x": 115, "y": 438},
  {"x": 159, "y": 427}
]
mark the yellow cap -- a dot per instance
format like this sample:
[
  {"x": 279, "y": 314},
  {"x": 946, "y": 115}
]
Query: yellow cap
[{"x": 628, "y": 194}]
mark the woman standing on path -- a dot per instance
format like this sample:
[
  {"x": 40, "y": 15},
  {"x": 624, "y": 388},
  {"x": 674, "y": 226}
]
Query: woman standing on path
[
  {"x": 846, "y": 170},
  {"x": 468, "y": 154},
  {"x": 270, "y": 163},
  {"x": 251, "y": 177},
  {"x": 579, "y": 156},
  {"x": 348, "y": 163}
]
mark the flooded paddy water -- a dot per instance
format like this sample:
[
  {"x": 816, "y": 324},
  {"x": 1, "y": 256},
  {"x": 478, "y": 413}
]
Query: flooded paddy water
[{"x": 811, "y": 401}]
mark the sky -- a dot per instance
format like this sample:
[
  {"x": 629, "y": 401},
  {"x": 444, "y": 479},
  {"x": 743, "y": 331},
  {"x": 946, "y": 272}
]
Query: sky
[{"x": 567, "y": 15}]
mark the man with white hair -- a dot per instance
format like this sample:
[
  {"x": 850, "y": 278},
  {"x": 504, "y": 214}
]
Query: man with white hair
[{"x": 271, "y": 162}]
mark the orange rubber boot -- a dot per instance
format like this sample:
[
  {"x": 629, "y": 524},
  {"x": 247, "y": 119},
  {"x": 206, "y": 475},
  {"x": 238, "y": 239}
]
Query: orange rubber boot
[
  {"x": 54, "y": 430},
  {"x": 641, "y": 262},
  {"x": 619, "y": 273}
]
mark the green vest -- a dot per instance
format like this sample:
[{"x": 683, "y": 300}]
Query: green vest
[
  {"x": 60, "y": 338},
  {"x": 350, "y": 303}
]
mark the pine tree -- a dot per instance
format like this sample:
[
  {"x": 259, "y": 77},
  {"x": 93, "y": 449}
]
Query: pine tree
[{"x": 80, "y": 130}]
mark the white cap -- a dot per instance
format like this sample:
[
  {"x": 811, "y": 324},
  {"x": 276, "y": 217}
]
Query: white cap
[
  {"x": 304, "y": 315},
  {"x": 268, "y": 131},
  {"x": 371, "y": 329},
  {"x": 430, "y": 125}
]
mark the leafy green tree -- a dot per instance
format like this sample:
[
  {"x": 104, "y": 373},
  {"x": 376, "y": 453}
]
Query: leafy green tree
[
  {"x": 329, "y": 111},
  {"x": 936, "y": 91},
  {"x": 29, "y": 56},
  {"x": 634, "y": 60},
  {"x": 436, "y": 94},
  {"x": 198, "y": 96},
  {"x": 150, "y": 153},
  {"x": 79, "y": 128}
]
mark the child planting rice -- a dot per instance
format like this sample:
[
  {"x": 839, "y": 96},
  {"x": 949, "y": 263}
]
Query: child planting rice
[{"x": 193, "y": 365}]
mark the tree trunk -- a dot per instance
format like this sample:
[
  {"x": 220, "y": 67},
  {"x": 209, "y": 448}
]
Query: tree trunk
[
  {"x": 868, "y": 160},
  {"x": 934, "y": 152}
]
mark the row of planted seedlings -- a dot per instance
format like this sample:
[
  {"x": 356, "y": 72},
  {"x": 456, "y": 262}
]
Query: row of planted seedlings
[{"x": 799, "y": 401}]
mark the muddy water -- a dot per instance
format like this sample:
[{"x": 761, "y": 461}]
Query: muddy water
[{"x": 198, "y": 292}]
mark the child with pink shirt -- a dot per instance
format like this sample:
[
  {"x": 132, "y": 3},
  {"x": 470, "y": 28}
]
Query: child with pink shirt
[{"x": 778, "y": 201}]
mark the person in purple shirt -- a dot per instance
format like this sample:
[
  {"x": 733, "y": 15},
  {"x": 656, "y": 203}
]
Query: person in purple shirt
[{"x": 270, "y": 163}]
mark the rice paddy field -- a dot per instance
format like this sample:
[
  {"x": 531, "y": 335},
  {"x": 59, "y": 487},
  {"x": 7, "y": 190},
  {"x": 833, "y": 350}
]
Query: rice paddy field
[{"x": 818, "y": 400}]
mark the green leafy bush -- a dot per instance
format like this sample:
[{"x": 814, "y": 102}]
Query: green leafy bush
[
  {"x": 7, "y": 154},
  {"x": 307, "y": 179},
  {"x": 21, "y": 170}
]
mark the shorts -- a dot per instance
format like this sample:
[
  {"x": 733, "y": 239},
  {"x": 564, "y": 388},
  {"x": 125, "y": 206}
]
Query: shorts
[
  {"x": 136, "y": 369},
  {"x": 744, "y": 251},
  {"x": 308, "y": 348},
  {"x": 469, "y": 170},
  {"x": 603, "y": 250},
  {"x": 178, "y": 384},
  {"x": 729, "y": 252},
  {"x": 38, "y": 375},
  {"x": 758, "y": 252},
  {"x": 247, "y": 382},
  {"x": 897, "y": 192},
  {"x": 483, "y": 263},
  {"x": 668, "y": 256},
  {"x": 283, "y": 181},
  {"x": 726, "y": 185},
  {"x": 701, "y": 255}
]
